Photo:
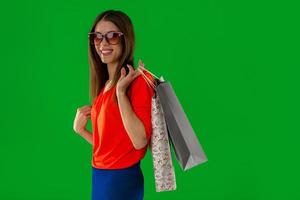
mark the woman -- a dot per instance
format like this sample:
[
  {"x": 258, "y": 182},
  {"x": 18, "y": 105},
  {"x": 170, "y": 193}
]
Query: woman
[{"x": 120, "y": 111}]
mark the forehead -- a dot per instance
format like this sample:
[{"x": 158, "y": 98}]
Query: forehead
[{"x": 105, "y": 26}]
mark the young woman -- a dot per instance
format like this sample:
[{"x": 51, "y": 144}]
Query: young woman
[{"x": 120, "y": 110}]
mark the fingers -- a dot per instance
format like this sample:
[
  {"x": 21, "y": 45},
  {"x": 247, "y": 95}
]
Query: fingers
[
  {"x": 138, "y": 72},
  {"x": 131, "y": 70},
  {"x": 85, "y": 107},
  {"x": 133, "y": 73},
  {"x": 86, "y": 114},
  {"x": 81, "y": 118},
  {"x": 141, "y": 64},
  {"x": 85, "y": 110},
  {"x": 123, "y": 73}
]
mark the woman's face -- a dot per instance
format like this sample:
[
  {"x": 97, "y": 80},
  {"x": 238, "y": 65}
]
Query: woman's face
[{"x": 109, "y": 53}]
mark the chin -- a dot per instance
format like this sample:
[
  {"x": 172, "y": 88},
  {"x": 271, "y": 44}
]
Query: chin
[{"x": 106, "y": 60}]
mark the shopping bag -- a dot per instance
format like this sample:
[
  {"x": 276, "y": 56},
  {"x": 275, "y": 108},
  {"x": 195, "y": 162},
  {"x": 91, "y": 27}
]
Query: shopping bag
[
  {"x": 164, "y": 173},
  {"x": 188, "y": 150}
]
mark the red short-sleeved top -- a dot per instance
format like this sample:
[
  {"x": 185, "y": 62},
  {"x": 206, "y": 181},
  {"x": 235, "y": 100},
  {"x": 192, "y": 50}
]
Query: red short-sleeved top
[{"x": 112, "y": 147}]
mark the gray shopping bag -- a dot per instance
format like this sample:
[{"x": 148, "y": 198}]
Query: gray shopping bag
[{"x": 188, "y": 150}]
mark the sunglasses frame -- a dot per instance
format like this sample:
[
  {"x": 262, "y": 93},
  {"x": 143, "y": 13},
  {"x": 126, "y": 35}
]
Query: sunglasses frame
[{"x": 105, "y": 36}]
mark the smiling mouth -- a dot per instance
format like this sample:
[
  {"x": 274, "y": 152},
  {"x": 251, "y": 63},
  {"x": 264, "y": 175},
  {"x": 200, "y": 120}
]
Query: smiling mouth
[{"x": 106, "y": 51}]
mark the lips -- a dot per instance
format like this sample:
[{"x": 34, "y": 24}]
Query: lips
[{"x": 106, "y": 51}]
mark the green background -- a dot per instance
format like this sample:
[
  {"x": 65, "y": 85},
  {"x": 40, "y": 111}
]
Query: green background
[{"x": 233, "y": 64}]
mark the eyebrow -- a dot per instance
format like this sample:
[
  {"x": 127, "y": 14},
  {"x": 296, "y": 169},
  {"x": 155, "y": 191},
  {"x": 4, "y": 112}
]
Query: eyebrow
[{"x": 106, "y": 32}]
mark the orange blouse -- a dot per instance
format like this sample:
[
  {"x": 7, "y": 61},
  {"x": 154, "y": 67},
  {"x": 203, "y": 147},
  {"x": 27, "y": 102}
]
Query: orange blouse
[{"x": 112, "y": 147}]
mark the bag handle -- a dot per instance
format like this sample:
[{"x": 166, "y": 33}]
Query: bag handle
[
  {"x": 149, "y": 82},
  {"x": 143, "y": 67}
]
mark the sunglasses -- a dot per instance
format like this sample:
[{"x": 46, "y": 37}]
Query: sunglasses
[{"x": 112, "y": 37}]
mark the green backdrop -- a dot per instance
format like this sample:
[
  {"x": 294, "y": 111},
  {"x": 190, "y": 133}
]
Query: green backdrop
[{"x": 233, "y": 64}]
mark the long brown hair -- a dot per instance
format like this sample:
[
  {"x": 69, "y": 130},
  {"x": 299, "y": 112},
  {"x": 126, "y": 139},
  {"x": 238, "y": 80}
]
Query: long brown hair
[{"x": 98, "y": 70}]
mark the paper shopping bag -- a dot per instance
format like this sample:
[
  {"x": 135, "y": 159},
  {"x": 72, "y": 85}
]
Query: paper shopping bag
[
  {"x": 160, "y": 149},
  {"x": 164, "y": 173},
  {"x": 188, "y": 149}
]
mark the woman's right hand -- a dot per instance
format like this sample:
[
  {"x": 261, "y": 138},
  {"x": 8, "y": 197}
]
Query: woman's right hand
[{"x": 81, "y": 118}]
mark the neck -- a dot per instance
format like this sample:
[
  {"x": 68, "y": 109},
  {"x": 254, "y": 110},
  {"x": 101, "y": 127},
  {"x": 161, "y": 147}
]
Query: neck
[{"x": 111, "y": 68}]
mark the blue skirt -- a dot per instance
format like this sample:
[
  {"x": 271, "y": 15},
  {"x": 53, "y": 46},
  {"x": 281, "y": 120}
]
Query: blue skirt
[{"x": 118, "y": 184}]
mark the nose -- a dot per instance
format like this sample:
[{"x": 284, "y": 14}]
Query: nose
[{"x": 102, "y": 42}]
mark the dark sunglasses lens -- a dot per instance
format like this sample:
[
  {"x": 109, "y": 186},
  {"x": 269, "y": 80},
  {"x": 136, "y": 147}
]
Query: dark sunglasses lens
[
  {"x": 113, "y": 38},
  {"x": 95, "y": 38}
]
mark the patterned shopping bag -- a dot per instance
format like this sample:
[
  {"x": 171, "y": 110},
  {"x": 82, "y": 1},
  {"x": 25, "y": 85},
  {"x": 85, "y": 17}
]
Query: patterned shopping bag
[{"x": 164, "y": 173}]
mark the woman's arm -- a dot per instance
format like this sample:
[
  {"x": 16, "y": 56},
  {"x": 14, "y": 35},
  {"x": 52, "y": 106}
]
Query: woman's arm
[
  {"x": 88, "y": 136},
  {"x": 133, "y": 125},
  {"x": 82, "y": 115}
]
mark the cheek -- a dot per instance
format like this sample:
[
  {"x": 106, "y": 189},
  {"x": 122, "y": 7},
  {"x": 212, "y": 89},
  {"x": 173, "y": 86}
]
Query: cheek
[
  {"x": 118, "y": 51},
  {"x": 97, "y": 50}
]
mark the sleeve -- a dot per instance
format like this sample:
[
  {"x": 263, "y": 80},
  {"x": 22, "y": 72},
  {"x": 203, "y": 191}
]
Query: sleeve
[{"x": 140, "y": 95}]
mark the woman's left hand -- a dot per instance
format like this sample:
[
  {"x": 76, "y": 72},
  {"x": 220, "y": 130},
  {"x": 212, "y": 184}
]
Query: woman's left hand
[{"x": 125, "y": 80}]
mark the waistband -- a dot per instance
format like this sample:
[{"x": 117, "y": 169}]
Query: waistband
[{"x": 132, "y": 168}]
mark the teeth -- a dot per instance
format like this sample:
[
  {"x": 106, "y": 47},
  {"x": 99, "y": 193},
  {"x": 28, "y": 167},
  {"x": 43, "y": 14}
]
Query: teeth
[{"x": 106, "y": 51}]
